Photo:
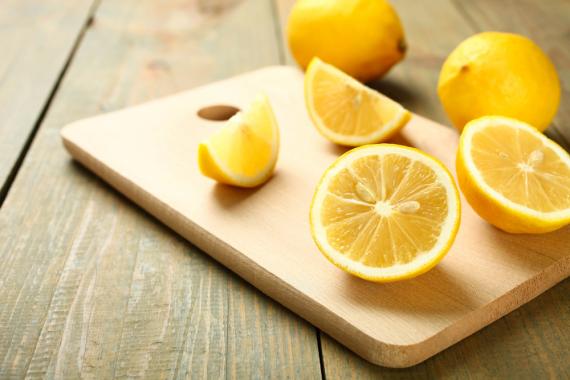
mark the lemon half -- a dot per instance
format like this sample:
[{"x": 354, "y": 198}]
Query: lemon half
[
  {"x": 513, "y": 176},
  {"x": 385, "y": 212}
]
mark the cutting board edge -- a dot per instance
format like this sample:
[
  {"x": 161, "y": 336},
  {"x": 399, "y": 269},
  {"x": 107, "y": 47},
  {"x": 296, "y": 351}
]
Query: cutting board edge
[{"x": 385, "y": 354}]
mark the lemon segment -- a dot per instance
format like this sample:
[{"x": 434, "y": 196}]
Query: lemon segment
[
  {"x": 345, "y": 111},
  {"x": 385, "y": 212},
  {"x": 513, "y": 176},
  {"x": 244, "y": 152}
]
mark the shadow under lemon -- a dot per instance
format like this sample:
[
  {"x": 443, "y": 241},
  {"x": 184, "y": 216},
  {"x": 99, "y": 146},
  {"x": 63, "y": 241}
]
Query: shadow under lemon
[
  {"x": 439, "y": 291},
  {"x": 339, "y": 150},
  {"x": 230, "y": 196},
  {"x": 395, "y": 90}
]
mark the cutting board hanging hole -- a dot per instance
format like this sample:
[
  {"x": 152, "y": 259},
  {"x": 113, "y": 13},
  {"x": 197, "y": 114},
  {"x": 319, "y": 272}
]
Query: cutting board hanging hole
[{"x": 218, "y": 112}]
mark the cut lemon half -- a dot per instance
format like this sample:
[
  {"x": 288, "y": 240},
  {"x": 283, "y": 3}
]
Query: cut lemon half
[
  {"x": 345, "y": 111},
  {"x": 244, "y": 152},
  {"x": 513, "y": 176},
  {"x": 385, "y": 212}
]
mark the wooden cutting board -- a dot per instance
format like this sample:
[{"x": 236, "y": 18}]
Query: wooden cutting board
[{"x": 148, "y": 153}]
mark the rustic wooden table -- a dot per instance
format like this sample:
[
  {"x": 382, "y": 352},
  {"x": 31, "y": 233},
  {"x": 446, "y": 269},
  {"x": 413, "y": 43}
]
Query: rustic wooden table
[{"x": 92, "y": 286}]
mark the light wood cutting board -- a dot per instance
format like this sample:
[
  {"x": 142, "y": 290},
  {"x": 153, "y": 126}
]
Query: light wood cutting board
[{"x": 148, "y": 153}]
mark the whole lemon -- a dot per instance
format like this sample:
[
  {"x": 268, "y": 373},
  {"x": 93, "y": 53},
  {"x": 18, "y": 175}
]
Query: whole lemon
[
  {"x": 504, "y": 74},
  {"x": 363, "y": 38}
]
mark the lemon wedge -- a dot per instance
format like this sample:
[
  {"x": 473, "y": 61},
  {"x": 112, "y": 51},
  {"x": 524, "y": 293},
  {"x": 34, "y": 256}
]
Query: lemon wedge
[
  {"x": 347, "y": 112},
  {"x": 513, "y": 176},
  {"x": 244, "y": 152},
  {"x": 385, "y": 212}
]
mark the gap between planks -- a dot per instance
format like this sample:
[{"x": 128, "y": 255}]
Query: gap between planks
[{"x": 5, "y": 189}]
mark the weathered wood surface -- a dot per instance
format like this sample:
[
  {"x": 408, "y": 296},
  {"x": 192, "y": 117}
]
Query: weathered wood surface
[
  {"x": 92, "y": 286},
  {"x": 84, "y": 267},
  {"x": 36, "y": 38}
]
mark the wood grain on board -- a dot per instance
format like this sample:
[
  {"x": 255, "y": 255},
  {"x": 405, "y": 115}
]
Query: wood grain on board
[
  {"x": 36, "y": 39},
  {"x": 486, "y": 274},
  {"x": 532, "y": 341},
  {"x": 94, "y": 287}
]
